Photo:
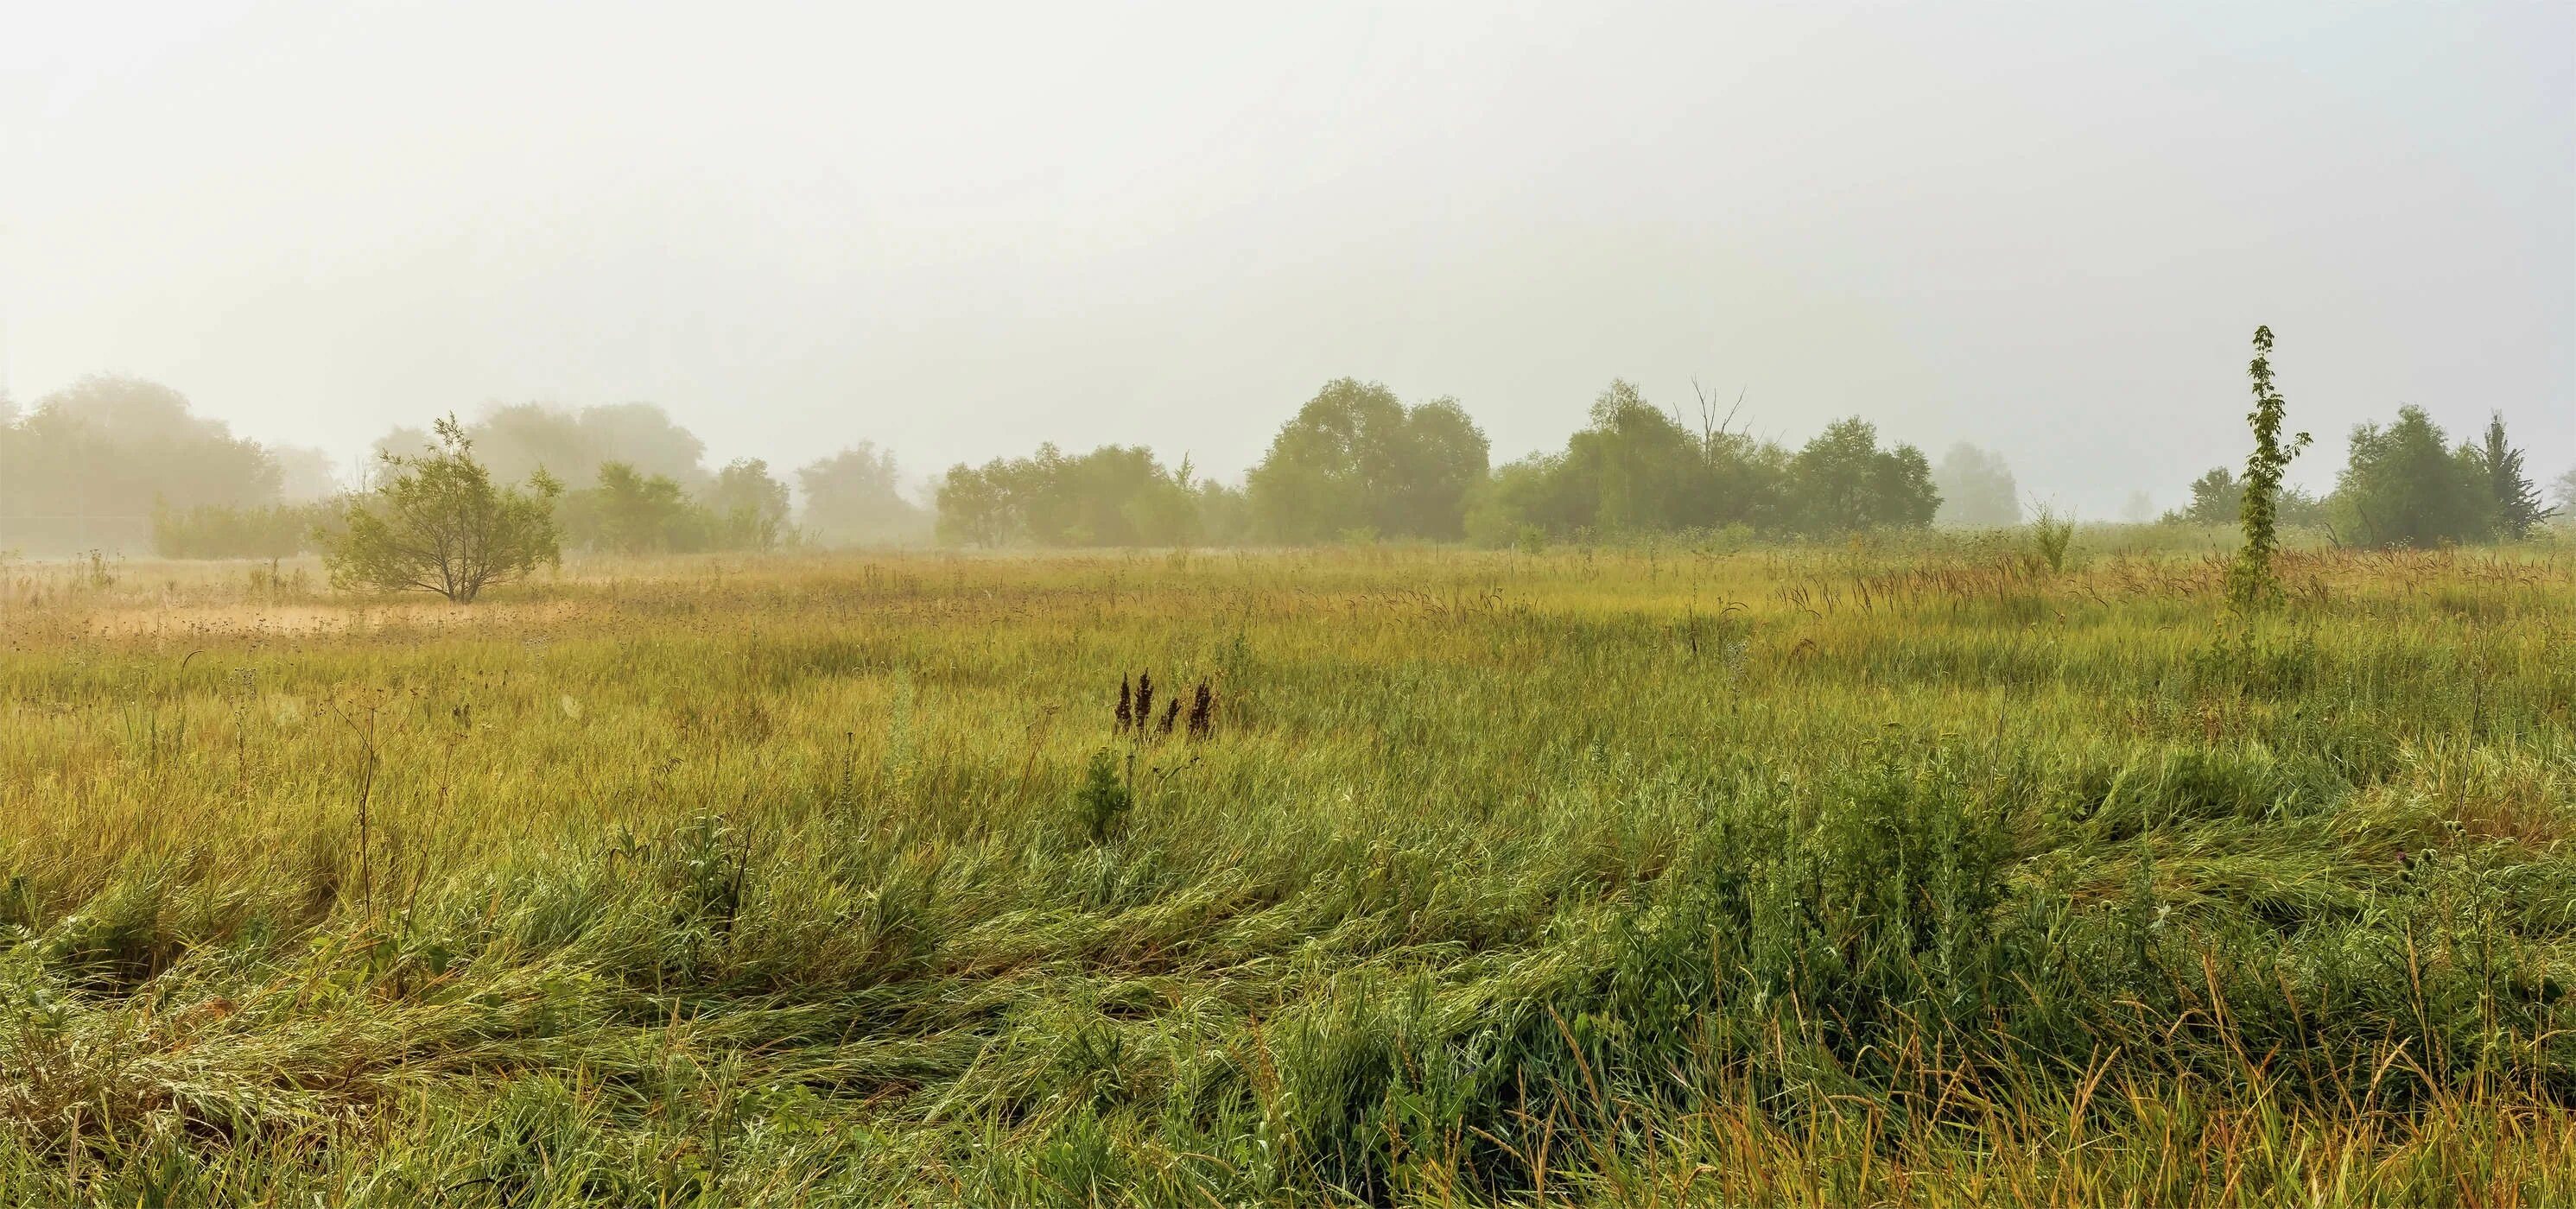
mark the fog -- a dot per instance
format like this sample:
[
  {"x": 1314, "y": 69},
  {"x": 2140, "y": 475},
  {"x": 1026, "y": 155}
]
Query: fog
[{"x": 958, "y": 230}]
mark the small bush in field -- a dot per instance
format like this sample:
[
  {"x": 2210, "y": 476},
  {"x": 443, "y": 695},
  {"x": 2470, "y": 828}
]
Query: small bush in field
[
  {"x": 2050, "y": 536},
  {"x": 439, "y": 524},
  {"x": 1103, "y": 799}
]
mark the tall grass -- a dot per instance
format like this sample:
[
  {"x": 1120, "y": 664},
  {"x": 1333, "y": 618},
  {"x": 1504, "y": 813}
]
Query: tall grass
[{"x": 1648, "y": 876}]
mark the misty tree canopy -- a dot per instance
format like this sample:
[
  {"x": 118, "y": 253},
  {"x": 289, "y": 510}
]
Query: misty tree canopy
[
  {"x": 514, "y": 441},
  {"x": 1842, "y": 482},
  {"x": 1356, "y": 462},
  {"x": 627, "y": 511},
  {"x": 92, "y": 463},
  {"x": 643, "y": 486},
  {"x": 2401, "y": 486},
  {"x": 1116, "y": 495},
  {"x": 114, "y": 463},
  {"x": 1637, "y": 468},
  {"x": 856, "y": 495},
  {"x": 750, "y": 506},
  {"x": 1355, "y": 459},
  {"x": 1977, "y": 489}
]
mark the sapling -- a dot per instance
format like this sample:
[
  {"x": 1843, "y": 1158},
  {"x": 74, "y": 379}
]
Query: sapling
[{"x": 2250, "y": 583}]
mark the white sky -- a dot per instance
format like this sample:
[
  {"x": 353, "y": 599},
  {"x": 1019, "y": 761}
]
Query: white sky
[{"x": 958, "y": 229}]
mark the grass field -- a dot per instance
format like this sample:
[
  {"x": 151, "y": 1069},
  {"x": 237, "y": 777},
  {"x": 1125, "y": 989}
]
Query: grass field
[{"x": 1615, "y": 876}]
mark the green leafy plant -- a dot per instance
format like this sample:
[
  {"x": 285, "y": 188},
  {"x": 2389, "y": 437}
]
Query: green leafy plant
[
  {"x": 439, "y": 524},
  {"x": 2251, "y": 584},
  {"x": 2050, "y": 537},
  {"x": 1103, "y": 799}
]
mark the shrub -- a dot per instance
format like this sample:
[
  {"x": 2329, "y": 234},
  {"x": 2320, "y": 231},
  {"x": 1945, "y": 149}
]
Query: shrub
[
  {"x": 439, "y": 524},
  {"x": 2050, "y": 535},
  {"x": 1103, "y": 799},
  {"x": 215, "y": 531}
]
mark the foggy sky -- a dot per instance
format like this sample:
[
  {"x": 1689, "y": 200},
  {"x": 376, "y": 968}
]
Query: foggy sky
[{"x": 960, "y": 229}]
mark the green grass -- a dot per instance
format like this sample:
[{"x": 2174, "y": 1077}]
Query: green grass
[{"x": 1613, "y": 876}]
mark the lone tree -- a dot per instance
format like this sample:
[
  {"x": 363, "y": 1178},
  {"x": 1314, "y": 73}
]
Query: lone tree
[
  {"x": 438, "y": 524},
  {"x": 2250, "y": 582}
]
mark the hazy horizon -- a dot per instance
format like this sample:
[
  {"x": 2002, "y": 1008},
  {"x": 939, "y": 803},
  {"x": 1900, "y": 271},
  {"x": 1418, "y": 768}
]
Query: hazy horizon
[{"x": 958, "y": 232}]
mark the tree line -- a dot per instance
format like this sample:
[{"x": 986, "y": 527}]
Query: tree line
[
  {"x": 114, "y": 461},
  {"x": 2404, "y": 484},
  {"x": 1357, "y": 463}
]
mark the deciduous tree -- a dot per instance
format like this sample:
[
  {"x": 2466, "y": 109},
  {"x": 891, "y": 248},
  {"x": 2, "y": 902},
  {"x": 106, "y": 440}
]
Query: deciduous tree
[
  {"x": 436, "y": 522},
  {"x": 1977, "y": 489},
  {"x": 2402, "y": 485}
]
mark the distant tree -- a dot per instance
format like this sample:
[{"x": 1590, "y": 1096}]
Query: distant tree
[
  {"x": 1635, "y": 468},
  {"x": 645, "y": 437},
  {"x": 305, "y": 474},
  {"x": 2566, "y": 492},
  {"x": 630, "y": 512},
  {"x": 1225, "y": 513},
  {"x": 402, "y": 440},
  {"x": 1116, "y": 495},
  {"x": 1645, "y": 469},
  {"x": 1977, "y": 489},
  {"x": 436, "y": 522},
  {"x": 1746, "y": 482},
  {"x": 2139, "y": 509},
  {"x": 2216, "y": 499},
  {"x": 749, "y": 507},
  {"x": 856, "y": 496},
  {"x": 259, "y": 531},
  {"x": 1533, "y": 494},
  {"x": 516, "y": 440},
  {"x": 1842, "y": 481},
  {"x": 90, "y": 464},
  {"x": 1439, "y": 463},
  {"x": 1355, "y": 458},
  {"x": 1331, "y": 467},
  {"x": 2402, "y": 486},
  {"x": 976, "y": 505},
  {"x": 122, "y": 442},
  {"x": 2514, "y": 504}
]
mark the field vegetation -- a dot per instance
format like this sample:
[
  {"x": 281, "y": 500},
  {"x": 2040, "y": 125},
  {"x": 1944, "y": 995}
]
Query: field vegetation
[{"x": 2014, "y": 868}]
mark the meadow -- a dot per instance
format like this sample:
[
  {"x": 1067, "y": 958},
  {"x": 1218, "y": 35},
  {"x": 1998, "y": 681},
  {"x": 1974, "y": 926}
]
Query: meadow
[{"x": 1926, "y": 874}]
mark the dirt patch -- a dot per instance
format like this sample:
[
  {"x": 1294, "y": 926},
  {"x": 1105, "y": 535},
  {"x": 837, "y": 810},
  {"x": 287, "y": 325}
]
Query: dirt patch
[{"x": 283, "y": 620}]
